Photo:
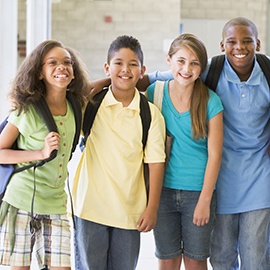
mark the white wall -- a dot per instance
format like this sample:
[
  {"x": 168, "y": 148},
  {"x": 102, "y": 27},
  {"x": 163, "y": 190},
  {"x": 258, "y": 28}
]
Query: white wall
[{"x": 209, "y": 31}]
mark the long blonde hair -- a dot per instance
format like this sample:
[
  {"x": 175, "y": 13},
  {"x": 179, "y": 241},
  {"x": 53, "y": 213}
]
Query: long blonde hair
[{"x": 200, "y": 95}]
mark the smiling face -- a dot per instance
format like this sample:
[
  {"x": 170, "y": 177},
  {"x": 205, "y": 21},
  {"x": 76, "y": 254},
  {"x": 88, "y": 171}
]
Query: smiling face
[
  {"x": 185, "y": 66},
  {"x": 124, "y": 69},
  {"x": 57, "y": 70},
  {"x": 240, "y": 45}
]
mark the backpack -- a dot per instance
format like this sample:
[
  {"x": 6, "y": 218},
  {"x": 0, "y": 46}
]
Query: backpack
[
  {"x": 91, "y": 111},
  {"x": 7, "y": 170},
  {"x": 216, "y": 67}
]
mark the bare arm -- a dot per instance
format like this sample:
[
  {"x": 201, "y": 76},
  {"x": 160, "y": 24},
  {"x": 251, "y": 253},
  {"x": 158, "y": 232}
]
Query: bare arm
[
  {"x": 9, "y": 156},
  {"x": 143, "y": 83},
  {"x": 148, "y": 218},
  {"x": 97, "y": 85},
  {"x": 215, "y": 141}
]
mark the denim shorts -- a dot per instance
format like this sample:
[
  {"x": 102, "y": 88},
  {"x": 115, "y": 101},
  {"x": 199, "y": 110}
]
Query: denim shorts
[{"x": 175, "y": 234}]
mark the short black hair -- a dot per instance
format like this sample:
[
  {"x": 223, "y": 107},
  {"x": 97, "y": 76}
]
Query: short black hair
[
  {"x": 125, "y": 42},
  {"x": 240, "y": 21}
]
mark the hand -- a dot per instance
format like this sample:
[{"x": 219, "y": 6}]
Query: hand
[
  {"x": 147, "y": 220},
  {"x": 96, "y": 86},
  {"x": 201, "y": 214},
  {"x": 52, "y": 141}
]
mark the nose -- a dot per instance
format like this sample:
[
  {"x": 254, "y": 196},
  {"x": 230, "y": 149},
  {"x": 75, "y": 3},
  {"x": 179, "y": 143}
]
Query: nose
[
  {"x": 61, "y": 66},
  {"x": 125, "y": 68},
  {"x": 240, "y": 45},
  {"x": 186, "y": 67}
]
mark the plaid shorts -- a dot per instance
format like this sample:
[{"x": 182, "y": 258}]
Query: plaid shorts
[{"x": 51, "y": 241}]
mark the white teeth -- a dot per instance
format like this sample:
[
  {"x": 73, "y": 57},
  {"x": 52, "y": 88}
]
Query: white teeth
[
  {"x": 239, "y": 55},
  {"x": 125, "y": 78},
  {"x": 61, "y": 76}
]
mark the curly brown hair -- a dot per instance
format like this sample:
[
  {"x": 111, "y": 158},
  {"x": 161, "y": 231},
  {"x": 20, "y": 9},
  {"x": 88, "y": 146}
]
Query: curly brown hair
[{"x": 27, "y": 88}]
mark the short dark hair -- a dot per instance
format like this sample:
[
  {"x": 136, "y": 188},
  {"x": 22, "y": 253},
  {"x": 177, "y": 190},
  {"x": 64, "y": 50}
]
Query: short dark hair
[
  {"x": 125, "y": 42},
  {"x": 240, "y": 21}
]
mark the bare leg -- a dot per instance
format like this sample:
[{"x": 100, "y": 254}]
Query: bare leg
[
  {"x": 171, "y": 264},
  {"x": 191, "y": 264}
]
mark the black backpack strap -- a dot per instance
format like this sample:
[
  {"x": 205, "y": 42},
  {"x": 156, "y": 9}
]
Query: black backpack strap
[
  {"x": 145, "y": 114},
  {"x": 77, "y": 110},
  {"x": 215, "y": 69},
  {"x": 264, "y": 63},
  {"x": 45, "y": 113},
  {"x": 145, "y": 117},
  {"x": 90, "y": 114}
]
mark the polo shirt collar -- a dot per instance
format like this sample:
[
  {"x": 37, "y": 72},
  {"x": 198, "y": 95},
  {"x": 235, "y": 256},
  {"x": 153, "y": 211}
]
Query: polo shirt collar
[
  {"x": 111, "y": 101},
  {"x": 254, "y": 79}
]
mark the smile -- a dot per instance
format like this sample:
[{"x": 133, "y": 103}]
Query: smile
[{"x": 240, "y": 56}]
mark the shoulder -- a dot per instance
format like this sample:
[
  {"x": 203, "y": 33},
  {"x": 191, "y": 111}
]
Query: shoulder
[
  {"x": 155, "y": 112},
  {"x": 26, "y": 120},
  {"x": 214, "y": 102}
]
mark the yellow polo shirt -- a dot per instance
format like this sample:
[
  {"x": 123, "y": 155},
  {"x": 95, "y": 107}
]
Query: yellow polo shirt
[{"x": 108, "y": 185}]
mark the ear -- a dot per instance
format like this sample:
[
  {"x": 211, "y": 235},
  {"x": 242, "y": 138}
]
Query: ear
[
  {"x": 222, "y": 46},
  {"x": 143, "y": 69},
  {"x": 168, "y": 59},
  {"x": 40, "y": 77},
  {"x": 106, "y": 67},
  {"x": 258, "y": 45}
]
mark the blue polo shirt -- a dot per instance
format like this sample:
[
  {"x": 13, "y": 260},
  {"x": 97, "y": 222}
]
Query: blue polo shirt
[{"x": 244, "y": 179}]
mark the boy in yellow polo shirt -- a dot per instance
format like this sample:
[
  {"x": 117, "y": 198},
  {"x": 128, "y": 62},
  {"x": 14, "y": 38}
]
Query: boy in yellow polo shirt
[{"x": 110, "y": 202}]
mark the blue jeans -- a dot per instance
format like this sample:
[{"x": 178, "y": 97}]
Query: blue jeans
[
  {"x": 244, "y": 236},
  {"x": 99, "y": 247},
  {"x": 175, "y": 234}
]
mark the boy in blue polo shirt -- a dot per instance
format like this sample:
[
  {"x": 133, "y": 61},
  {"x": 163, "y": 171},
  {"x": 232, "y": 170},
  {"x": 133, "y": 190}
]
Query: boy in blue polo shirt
[{"x": 243, "y": 200}]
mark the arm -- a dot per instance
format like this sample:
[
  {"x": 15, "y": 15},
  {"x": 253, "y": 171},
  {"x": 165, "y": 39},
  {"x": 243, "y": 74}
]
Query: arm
[
  {"x": 148, "y": 218},
  {"x": 97, "y": 85},
  {"x": 10, "y": 156},
  {"x": 215, "y": 141}
]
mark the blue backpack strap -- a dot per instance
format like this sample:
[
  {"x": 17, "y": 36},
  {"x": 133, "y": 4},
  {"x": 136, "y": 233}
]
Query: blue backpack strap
[{"x": 215, "y": 69}]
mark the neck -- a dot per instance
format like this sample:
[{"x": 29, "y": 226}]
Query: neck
[{"x": 125, "y": 96}]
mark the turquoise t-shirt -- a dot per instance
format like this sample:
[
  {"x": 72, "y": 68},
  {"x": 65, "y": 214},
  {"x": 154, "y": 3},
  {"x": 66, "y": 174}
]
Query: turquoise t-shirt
[
  {"x": 50, "y": 195},
  {"x": 186, "y": 167}
]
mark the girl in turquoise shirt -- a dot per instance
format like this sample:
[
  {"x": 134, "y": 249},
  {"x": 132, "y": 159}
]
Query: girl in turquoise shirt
[{"x": 193, "y": 116}]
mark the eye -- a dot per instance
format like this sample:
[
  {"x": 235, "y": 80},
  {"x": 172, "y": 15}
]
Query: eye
[
  {"x": 247, "y": 41},
  {"x": 134, "y": 64},
  {"x": 195, "y": 63},
  {"x": 52, "y": 63},
  {"x": 68, "y": 63},
  {"x": 181, "y": 61}
]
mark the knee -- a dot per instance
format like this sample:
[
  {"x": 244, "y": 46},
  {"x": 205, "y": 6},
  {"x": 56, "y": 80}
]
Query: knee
[
  {"x": 191, "y": 264},
  {"x": 170, "y": 264}
]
